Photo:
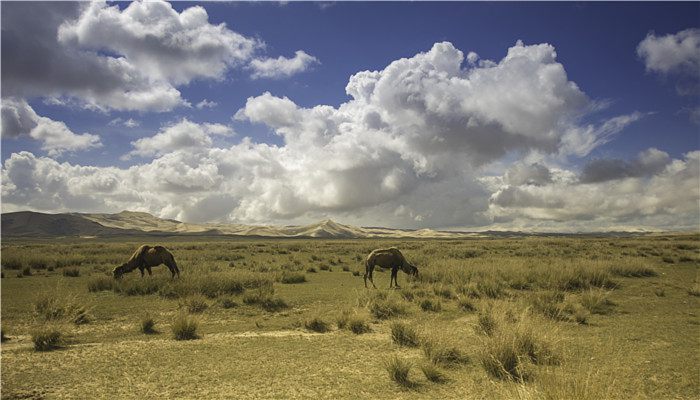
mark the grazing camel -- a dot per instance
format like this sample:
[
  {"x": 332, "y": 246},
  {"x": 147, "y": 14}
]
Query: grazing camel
[
  {"x": 388, "y": 258},
  {"x": 146, "y": 257}
]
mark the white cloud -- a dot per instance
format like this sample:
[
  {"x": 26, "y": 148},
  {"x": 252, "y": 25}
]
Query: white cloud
[
  {"x": 104, "y": 57},
  {"x": 408, "y": 149},
  {"x": 282, "y": 67},
  {"x": 660, "y": 192},
  {"x": 19, "y": 119},
  {"x": 129, "y": 123},
  {"x": 206, "y": 104},
  {"x": 183, "y": 136},
  {"x": 672, "y": 52}
]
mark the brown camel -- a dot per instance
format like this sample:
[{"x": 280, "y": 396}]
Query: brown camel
[
  {"x": 388, "y": 258},
  {"x": 146, "y": 257}
]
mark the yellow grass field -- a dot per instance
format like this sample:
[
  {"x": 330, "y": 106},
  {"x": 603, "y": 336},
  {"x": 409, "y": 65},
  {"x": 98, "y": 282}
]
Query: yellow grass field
[{"x": 514, "y": 318}]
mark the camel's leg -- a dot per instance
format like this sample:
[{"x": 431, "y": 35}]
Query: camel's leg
[
  {"x": 393, "y": 279},
  {"x": 149, "y": 271},
  {"x": 141, "y": 269},
  {"x": 368, "y": 273}
]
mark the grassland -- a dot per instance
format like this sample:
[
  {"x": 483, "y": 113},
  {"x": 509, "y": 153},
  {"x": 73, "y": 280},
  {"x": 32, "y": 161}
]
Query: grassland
[{"x": 526, "y": 318}]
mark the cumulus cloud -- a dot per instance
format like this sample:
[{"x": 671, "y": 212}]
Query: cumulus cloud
[
  {"x": 181, "y": 136},
  {"x": 676, "y": 55},
  {"x": 206, "y": 104},
  {"x": 19, "y": 119},
  {"x": 104, "y": 57},
  {"x": 281, "y": 67},
  {"x": 647, "y": 163},
  {"x": 649, "y": 190},
  {"x": 672, "y": 52},
  {"x": 408, "y": 149}
]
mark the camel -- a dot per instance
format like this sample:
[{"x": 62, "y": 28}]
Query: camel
[
  {"x": 146, "y": 257},
  {"x": 388, "y": 258}
]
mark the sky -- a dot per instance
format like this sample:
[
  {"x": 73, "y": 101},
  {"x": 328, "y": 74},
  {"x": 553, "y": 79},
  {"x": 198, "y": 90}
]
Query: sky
[{"x": 564, "y": 117}]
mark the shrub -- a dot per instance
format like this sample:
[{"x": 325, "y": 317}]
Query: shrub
[
  {"x": 26, "y": 271},
  {"x": 398, "y": 370},
  {"x": 466, "y": 305},
  {"x": 325, "y": 267},
  {"x": 100, "y": 283},
  {"x": 312, "y": 270},
  {"x": 445, "y": 292},
  {"x": 184, "y": 327},
  {"x": 343, "y": 319},
  {"x": 433, "y": 373},
  {"x": 71, "y": 272},
  {"x": 195, "y": 304},
  {"x": 37, "y": 264},
  {"x": 47, "y": 338},
  {"x": 317, "y": 325},
  {"x": 148, "y": 324},
  {"x": 404, "y": 335},
  {"x": 444, "y": 354},
  {"x": 355, "y": 273},
  {"x": 80, "y": 315},
  {"x": 49, "y": 307},
  {"x": 549, "y": 303},
  {"x": 431, "y": 305},
  {"x": 346, "y": 268},
  {"x": 490, "y": 288},
  {"x": 292, "y": 277}
]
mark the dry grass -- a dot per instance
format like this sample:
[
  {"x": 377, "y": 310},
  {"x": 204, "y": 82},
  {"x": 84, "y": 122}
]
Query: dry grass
[{"x": 404, "y": 335}]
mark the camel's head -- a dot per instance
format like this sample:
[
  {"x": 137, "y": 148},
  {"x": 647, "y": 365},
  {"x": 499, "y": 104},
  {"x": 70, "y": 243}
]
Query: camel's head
[
  {"x": 412, "y": 270},
  {"x": 118, "y": 271}
]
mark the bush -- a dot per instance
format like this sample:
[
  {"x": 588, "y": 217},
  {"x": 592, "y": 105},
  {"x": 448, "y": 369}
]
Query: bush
[
  {"x": 100, "y": 283},
  {"x": 398, "y": 370},
  {"x": 184, "y": 327},
  {"x": 292, "y": 277},
  {"x": 355, "y": 273},
  {"x": 26, "y": 271},
  {"x": 47, "y": 338},
  {"x": 312, "y": 270},
  {"x": 445, "y": 292},
  {"x": 148, "y": 325},
  {"x": 317, "y": 325},
  {"x": 71, "y": 272},
  {"x": 444, "y": 354},
  {"x": 404, "y": 335},
  {"x": 549, "y": 303},
  {"x": 431, "y": 305},
  {"x": 195, "y": 304},
  {"x": 325, "y": 267},
  {"x": 433, "y": 373},
  {"x": 37, "y": 264},
  {"x": 346, "y": 268}
]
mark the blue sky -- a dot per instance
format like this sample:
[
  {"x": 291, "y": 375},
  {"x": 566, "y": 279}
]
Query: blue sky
[{"x": 597, "y": 46}]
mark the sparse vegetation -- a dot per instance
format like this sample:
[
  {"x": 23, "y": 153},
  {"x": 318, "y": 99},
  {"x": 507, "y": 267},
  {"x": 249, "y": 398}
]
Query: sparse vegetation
[
  {"x": 292, "y": 277},
  {"x": 194, "y": 304},
  {"x": 71, "y": 272},
  {"x": 521, "y": 296}
]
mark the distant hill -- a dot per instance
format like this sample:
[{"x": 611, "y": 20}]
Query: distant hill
[{"x": 34, "y": 224}]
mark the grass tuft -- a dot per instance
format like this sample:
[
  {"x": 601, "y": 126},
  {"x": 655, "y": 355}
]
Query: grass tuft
[
  {"x": 195, "y": 304},
  {"x": 316, "y": 324},
  {"x": 431, "y": 305},
  {"x": 148, "y": 324},
  {"x": 292, "y": 277},
  {"x": 398, "y": 370},
  {"x": 71, "y": 272},
  {"x": 404, "y": 335},
  {"x": 444, "y": 354},
  {"x": 433, "y": 373},
  {"x": 184, "y": 327},
  {"x": 47, "y": 338}
]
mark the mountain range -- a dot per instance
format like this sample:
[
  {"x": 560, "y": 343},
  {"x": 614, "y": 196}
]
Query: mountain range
[{"x": 35, "y": 224}]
